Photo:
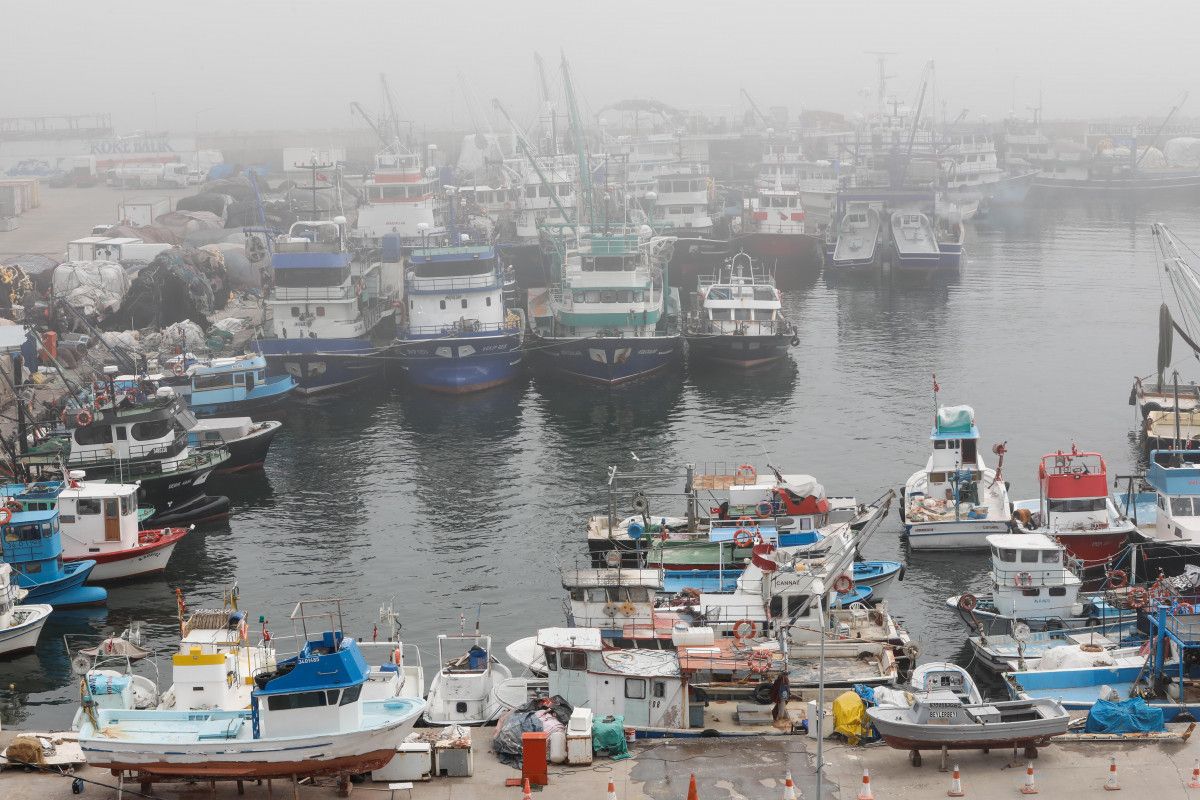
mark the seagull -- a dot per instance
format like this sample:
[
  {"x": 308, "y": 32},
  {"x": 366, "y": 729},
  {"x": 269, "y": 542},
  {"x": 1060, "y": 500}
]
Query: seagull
[{"x": 633, "y": 455}]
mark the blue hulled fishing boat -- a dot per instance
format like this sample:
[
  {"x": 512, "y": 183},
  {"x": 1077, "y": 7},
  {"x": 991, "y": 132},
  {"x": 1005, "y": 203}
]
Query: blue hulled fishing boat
[{"x": 32, "y": 546}]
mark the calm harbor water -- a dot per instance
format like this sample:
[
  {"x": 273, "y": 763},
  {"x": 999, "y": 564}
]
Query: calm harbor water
[{"x": 471, "y": 504}]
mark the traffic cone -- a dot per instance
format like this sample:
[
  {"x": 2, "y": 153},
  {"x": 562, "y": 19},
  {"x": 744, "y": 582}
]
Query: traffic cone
[
  {"x": 1030, "y": 787},
  {"x": 865, "y": 792},
  {"x": 1111, "y": 784},
  {"x": 528, "y": 794},
  {"x": 789, "y": 788},
  {"x": 612, "y": 791},
  {"x": 692, "y": 794},
  {"x": 1194, "y": 783},
  {"x": 956, "y": 789}
]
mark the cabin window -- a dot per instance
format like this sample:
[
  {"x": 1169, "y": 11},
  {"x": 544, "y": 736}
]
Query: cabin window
[
  {"x": 350, "y": 695},
  {"x": 295, "y": 311},
  {"x": 635, "y": 688},
  {"x": 154, "y": 429},
  {"x": 938, "y": 444},
  {"x": 592, "y": 297},
  {"x": 1031, "y": 592},
  {"x": 442, "y": 305},
  {"x": 210, "y": 381},
  {"x": 1008, "y": 554},
  {"x": 289, "y": 702},
  {"x": 464, "y": 302},
  {"x": 127, "y": 505},
  {"x": 32, "y": 567},
  {"x": 93, "y": 434},
  {"x": 660, "y": 689},
  {"x": 551, "y": 660},
  {"x": 320, "y": 311},
  {"x": 87, "y": 505},
  {"x": 1058, "y": 591},
  {"x": 240, "y": 379},
  {"x": 722, "y": 314},
  {"x": 487, "y": 301},
  {"x": 1029, "y": 556},
  {"x": 23, "y": 533},
  {"x": 596, "y": 595},
  {"x": 574, "y": 659},
  {"x": 741, "y": 314},
  {"x": 122, "y": 434},
  {"x": 1051, "y": 556},
  {"x": 1181, "y": 506},
  {"x": 1085, "y": 504}
]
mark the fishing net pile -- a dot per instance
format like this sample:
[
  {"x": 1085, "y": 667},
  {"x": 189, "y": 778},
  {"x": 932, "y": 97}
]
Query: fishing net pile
[
  {"x": 93, "y": 287},
  {"x": 179, "y": 284}
]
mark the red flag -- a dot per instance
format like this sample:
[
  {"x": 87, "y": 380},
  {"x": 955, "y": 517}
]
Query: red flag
[{"x": 936, "y": 388}]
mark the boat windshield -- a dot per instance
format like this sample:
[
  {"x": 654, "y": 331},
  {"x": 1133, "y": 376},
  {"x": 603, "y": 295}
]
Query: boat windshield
[{"x": 1185, "y": 506}]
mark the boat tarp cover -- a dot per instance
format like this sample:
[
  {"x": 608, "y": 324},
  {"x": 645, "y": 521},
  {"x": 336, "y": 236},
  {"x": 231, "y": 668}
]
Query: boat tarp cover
[
  {"x": 1127, "y": 716},
  {"x": 955, "y": 419},
  {"x": 608, "y": 734},
  {"x": 850, "y": 717},
  {"x": 536, "y": 715}
]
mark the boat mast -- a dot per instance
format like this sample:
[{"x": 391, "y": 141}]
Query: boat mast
[{"x": 577, "y": 133}]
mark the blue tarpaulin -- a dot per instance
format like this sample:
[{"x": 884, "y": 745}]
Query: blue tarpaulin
[{"x": 1127, "y": 716}]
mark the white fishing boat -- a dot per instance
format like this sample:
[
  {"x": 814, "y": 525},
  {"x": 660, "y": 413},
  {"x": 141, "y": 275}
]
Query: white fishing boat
[
  {"x": 20, "y": 625},
  {"x": 1024, "y": 648},
  {"x": 942, "y": 676},
  {"x": 857, "y": 247},
  {"x": 396, "y": 669},
  {"x": 461, "y": 691},
  {"x": 306, "y": 717},
  {"x": 956, "y": 501}
]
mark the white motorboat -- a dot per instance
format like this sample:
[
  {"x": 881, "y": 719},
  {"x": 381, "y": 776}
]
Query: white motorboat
[
  {"x": 396, "y": 669},
  {"x": 461, "y": 691},
  {"x": 942, "y": 676},
  {"x": 955, "y": 502},
  {"x": 20, "y": 625}
]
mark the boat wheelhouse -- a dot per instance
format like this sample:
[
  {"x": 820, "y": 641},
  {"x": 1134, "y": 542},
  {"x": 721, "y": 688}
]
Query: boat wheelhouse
[
  {"x": 307, "y": 717},
  {"x": 1074, "y": 508},
  {"x": 956, "y": 501},
  {"x": 612, "y": 318},
  {"x": 238, "y": 385},
  {"x": 20, "y": 624},
  {"x": 461, "y": 336},
  {"x": 246, "y": 441},
  {"x": 100, "y": 523},
  {"x": 32, "y": 546},
  {"x": 739, "y": 319},
  {"x": 324, "y": 308},
  {"x": 681, "y": 203},
  {"x": 1167, "y": 517},
  {"x": 401, "y": 198},
  {"x": 143, "y": 440},
  {"x": 773, "y": 228}
]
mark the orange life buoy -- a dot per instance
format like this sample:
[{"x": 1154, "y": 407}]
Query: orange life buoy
[
  {"x": 743, "y": 538},
  {"x": 397, "y": 657},
  {"x": 747, "y": 625},
  {"x": 5, "y": 516},
  {"x": 1138, "y": 597},
  {"x": 1184, "y": 607},
  {"x": 967, "y": 602},
  {"x": 1023, "y": 579},
  {"x": 746, "y": 470},
  {"x": 178, "y": 368},
  {"x": 764, "y": 508},
  {"x": 1117, "y": 579},
  {"x": 83, "y": 418},
  {"x": 843, "y": 584}
]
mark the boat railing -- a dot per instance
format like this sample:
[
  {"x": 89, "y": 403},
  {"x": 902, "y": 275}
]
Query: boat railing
[
  {"x": 489, "y": 280},
  {"x": 463, "y": 326},
  {"x": 282, "y": 245},
  {"x": 339, "y": 292},
  {"x": 765, "y": 327},
  {"x": 1032, "y": 576}
]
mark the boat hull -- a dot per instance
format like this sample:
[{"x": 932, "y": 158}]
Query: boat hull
[
  {"x": 608, "y": 360},
  {"x": 277, "y": 391},
  {"x": 23, "y": 636},
  {"x": 133, "y": 562},
  {"x": 738, "y": 351},
  {"x": 966, "y": 534},
  {"x": 198, "y": 510},
  {"x": 67, "y": 591},
  {"x": 460, "y": 365},
  {"x": 323, "y": 365},
  {"x": 250, "y": 451}
]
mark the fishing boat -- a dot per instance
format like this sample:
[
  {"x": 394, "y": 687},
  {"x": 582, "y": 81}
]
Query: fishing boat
[
  {"x": 100, "y": 523},
  {"x": 307, "y": 717},
  {"x": 914, "y": 242},
  {"x": 460, "y": 335},
  {"x": 20, "y": 625},
  {"x": 942, "y": 676},
  {"x": 1074, "y": 508},
  {"x": 32, "y": 547},
  {"x": 1030, "y": 584},
  {"x": 681, "y": 202},
  {"x": 1167, "y": 517},
  {"x": 325, "y": 309},
  {"x": 773, "y": 229},
  {"x": 856, "y": 247},
  {"x": 461, "y": 691},
  {"x": 612, "y": 318},
  {"x": 396, "y": 669},
  {"x": 401, "y": 198},
  {"x": 142, "y": 439},
  {"x": 246, "y": 441},
  {"x": 739, "y": 318},
  {"x": 941, "y": 720},
  {"x": 238, "y": 385},
  {"x": 110, "y": 671},
  {"x": 1024, "y": 648},
  {"x": 956, "y": 501}
]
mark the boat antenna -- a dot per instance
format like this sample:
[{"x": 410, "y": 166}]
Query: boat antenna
[
  {"x": 936, "y": 389},
  {"x": 462, "y": 624},
  {"x": 1175, "y": 389},
  {"x": 478, "y": 614}
]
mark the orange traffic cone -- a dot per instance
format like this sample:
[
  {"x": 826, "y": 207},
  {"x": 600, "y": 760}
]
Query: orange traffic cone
[
  {"x": 1111, "y": 784},
  {"x": 692, "y": 794},
  {"x": 1194, "y": 783},
  {"x": 1030, "y": 787},
  {"x": 528, "y": 794},
  {"x": 612, "y": 791},
  {"x": 956, "y": 789},
  {"x": 789, "y": 788},
  {"x": 865, "y": 792}
]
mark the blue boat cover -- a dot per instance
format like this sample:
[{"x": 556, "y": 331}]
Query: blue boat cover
[{"x": 1127, "y": 716}]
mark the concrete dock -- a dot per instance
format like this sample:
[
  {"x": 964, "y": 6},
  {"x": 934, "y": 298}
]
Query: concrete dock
[{"x": 751, "y": 768}]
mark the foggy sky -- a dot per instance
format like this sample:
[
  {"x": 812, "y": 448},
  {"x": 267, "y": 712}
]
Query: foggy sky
[{"x": 269, "y": 64}]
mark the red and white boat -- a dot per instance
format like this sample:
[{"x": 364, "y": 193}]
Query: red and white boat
[
  {"x": 100, "y": 523},
  {"x": 1074, "y": 508}
]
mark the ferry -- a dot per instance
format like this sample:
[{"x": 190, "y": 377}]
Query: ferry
[
  {"x": 461, "y": 335},
  {"x": 1075, "y": 509},
  {"x": 612, "y": 318},
  {"x": 956, "y": 501},
  {"x": 740, "y": 319}
]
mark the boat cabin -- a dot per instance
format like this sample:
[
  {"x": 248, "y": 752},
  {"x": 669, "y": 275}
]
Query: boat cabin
[
  {"x": 1030, "y": 578},
  {"x": 1074, "y": 491},
  {"x": 32, "y": 544},
  {"x": 776, "y": 211},
  {"x": 617, "y": 601},
  {"x": 155, "y": 430},
  {"x": 955, "y": 460},
  {"x": 301, "y": 694},
  {"x": 97, "y": 517},
  {"x": 1175, "y": 476},
  {"x": 457, "y": 289},
  {"x": 738, "y": 301}
]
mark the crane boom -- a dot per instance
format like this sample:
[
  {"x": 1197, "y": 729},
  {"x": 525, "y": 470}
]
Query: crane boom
[
  {"x": 754, "y": 106},
  {"x": 391, "y": 104},
  {"x": 527, "y": 151},
  {"x": 1161, "y": 128},
  {"x": 585, "y": 171},
  {"x": 355, "y": 106},
  {"x": 912, "y": 131}
]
